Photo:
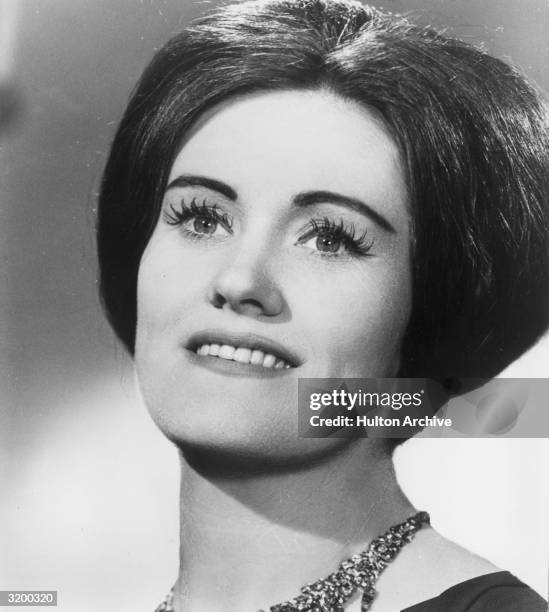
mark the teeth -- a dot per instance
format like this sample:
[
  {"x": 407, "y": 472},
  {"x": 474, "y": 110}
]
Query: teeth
[
  {"x": 226, "y": 351},
  {"x": 242, "y": 355},
  {"x": 269, "y": 361},
  {"x": 257, "y": 357}
]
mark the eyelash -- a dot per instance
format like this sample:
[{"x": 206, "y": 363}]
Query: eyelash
[
  {"x": 186, "y": 212},
  {"x": 357, "y": 246}
]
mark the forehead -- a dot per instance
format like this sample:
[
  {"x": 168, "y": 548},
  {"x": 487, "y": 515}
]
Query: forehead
[{"x": 290, "y": 141}]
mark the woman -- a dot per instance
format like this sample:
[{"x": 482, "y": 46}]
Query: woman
[{"x": 312, "y": 188}]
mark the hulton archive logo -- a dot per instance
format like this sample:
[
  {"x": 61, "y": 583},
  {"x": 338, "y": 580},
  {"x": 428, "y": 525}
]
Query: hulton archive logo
[{"x": 400, "y": 408}]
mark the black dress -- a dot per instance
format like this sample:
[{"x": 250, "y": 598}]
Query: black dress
[{"x": 496, "y": 592}]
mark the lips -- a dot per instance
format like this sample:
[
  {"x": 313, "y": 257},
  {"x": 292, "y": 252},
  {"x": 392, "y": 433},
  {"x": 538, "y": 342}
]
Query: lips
[
  {"x": 242, "y": 354},
  {"x": 245, "y": 349}
]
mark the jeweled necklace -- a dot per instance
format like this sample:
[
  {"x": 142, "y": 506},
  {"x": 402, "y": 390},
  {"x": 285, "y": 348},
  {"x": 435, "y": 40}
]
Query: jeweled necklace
[{"x": 361, "y": 571}]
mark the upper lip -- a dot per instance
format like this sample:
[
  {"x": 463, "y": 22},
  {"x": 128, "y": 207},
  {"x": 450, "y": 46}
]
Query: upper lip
[{"x": 243, "y": 340}]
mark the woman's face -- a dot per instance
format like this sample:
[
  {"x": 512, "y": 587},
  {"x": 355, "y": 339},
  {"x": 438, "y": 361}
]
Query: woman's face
[{"x": 282, "y": 251}]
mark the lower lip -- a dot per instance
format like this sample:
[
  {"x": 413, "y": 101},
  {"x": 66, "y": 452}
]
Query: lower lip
[{"x": 235, "y": 368}]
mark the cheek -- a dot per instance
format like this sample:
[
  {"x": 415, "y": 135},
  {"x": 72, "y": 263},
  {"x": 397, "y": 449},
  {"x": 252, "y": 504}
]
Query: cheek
[
  {"x": 154, "y": 302},
  {"x": 359, "y": 318},
  {"x": 167, "y": 284}
]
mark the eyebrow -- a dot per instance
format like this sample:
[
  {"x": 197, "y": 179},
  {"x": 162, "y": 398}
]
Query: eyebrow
[
  {"x": 302, "y": 200},
  {"x": 191, "y": 180},
  {"x": 309, "y": 198}
]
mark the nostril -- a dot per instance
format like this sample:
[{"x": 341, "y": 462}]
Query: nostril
[
  {"x": 246, "y": 306},
  {"x": 218, "y": 301},
  {"x": 250, "y": 307}
]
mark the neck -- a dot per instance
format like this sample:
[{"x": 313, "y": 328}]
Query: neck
[{"x": 237, "y": 532}]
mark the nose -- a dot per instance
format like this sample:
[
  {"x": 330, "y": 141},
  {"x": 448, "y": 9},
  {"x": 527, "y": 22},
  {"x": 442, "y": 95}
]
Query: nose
[{"x": 246, "y": 286}]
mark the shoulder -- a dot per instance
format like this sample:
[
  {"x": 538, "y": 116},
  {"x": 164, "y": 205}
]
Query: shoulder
[
  {"x": 443, "y": 570},
  {"x": 495, "y": 591}
]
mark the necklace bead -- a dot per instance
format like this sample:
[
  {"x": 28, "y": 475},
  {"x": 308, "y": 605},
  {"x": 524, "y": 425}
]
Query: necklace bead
[{"x": 361, "y": 571}]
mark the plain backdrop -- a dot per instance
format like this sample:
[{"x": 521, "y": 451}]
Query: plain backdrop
[{"x": 88, "y": 502}]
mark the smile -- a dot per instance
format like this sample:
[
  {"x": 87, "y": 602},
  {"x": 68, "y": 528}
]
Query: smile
[
  {"x": 239, "y": 353},
  {"x": 242, "y": 354}
]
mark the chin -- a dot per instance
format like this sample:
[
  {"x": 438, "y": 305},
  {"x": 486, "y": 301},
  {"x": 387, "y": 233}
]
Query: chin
[
  {"x": 238, "y": 460},
  {"x": 213, "y": 444}
]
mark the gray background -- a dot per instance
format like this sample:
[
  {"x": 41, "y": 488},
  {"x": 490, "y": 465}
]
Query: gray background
[
  {"x": 75, "y": 63},
  {"x": 65, "y": 384}
]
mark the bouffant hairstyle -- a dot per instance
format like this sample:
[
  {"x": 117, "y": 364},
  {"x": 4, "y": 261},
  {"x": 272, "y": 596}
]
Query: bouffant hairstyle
[{"x": 473, "y": 137}]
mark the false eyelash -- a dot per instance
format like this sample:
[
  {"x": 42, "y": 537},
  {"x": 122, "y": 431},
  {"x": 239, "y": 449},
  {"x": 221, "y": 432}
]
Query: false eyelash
[
  {"x": 355, "y": 245},
  {"x": 179, "y": 216}
]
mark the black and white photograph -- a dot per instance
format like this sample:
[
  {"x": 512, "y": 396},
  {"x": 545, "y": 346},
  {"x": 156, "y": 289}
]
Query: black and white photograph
[{"x": 274, "y": 303}]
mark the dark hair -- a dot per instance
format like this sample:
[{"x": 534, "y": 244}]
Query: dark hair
[{"x": 474, "y": 142}]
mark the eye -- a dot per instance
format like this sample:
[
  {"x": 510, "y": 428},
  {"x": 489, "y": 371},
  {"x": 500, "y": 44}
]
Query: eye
[
  {"x": 199, "y": 221},
  {"x": 204, "y": 225},
  {"x": 325, "y": 243},
  {"x": 334, "y": 239}
]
